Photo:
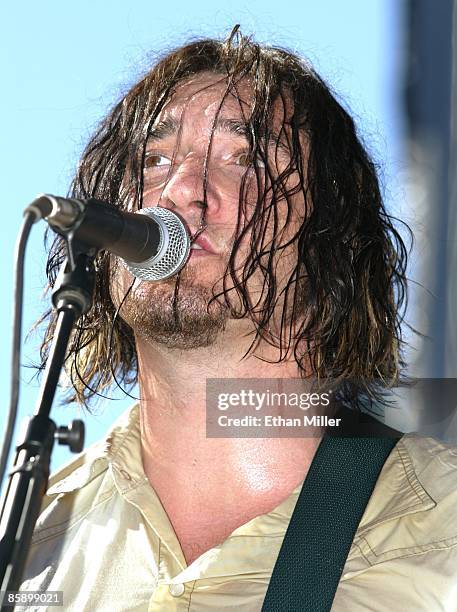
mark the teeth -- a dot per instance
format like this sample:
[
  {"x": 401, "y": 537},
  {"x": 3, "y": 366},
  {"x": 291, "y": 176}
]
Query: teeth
[{"x": 196, "y": 246}]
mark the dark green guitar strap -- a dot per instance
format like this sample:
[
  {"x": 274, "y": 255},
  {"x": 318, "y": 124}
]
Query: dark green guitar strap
[{"x": 332, "y": 501}]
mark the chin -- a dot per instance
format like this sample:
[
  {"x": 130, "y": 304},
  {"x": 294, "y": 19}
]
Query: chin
[{"x": 176, "y": 315}]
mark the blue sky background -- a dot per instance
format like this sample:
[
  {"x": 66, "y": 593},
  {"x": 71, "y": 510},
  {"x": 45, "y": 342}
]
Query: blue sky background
[{"x": 65, "y": 64}]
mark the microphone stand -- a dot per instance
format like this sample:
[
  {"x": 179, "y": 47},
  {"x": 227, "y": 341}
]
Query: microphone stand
[{"x": 28, "y": 480}]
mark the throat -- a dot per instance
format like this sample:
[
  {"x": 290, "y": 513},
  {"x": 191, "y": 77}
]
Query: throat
[
  {"x": 205, "y": 523},
  {"x": 204, "y": 510}
]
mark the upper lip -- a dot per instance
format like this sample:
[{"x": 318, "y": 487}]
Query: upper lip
[{"x": 203, "y": 243}]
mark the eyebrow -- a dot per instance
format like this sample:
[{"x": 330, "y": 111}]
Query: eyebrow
[
  {"x": 170, "y": 126},
  {"x": 167, "y": 127}
]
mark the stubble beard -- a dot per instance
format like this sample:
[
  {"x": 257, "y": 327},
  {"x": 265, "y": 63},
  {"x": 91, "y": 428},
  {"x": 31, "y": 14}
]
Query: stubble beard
[{"x": 182, "y": 317}]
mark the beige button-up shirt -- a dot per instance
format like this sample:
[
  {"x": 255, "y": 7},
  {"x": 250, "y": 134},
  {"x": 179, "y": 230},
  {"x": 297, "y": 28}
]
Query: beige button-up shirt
[{"x": 104, "y": 539}]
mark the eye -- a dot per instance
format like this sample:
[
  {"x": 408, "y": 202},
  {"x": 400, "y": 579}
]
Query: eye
[
  {"x": 155, "y": 160},
  {"x": 245, "y": 159}
]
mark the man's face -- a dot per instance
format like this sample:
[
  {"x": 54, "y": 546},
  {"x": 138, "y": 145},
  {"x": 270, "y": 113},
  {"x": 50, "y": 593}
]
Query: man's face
[{"x": 198, "y": 144}]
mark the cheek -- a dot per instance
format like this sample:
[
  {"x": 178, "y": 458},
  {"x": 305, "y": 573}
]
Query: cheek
[{"x": 234, "y": 183}]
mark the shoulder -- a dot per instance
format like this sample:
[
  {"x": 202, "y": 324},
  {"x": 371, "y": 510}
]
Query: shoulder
[
  {"x": 77, "y": 484},
  {"x": 406, "y": 542},
  {"x": 415, "y": 495},
  {"x": 82, "y": 488}
]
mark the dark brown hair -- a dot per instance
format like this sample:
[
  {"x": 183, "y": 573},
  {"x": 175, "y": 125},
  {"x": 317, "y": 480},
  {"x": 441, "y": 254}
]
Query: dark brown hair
[{"x": 349, "y": 277}]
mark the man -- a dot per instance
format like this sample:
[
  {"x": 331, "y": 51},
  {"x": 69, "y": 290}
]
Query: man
[{"x": 296, "y": 271}]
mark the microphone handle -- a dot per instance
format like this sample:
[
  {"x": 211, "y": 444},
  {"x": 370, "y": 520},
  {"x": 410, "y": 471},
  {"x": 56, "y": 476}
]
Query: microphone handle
[{"x": 131, "y": 236}]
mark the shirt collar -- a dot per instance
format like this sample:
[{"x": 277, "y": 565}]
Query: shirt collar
[
  {"x": 398, "y": 491},
  {"x": 95, "y": 459}
]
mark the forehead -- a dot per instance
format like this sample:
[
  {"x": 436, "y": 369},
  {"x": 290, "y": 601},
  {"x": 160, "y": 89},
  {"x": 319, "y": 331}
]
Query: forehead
[
  {"x": 207, "y": 95},
  {"x": 206, "y": 91}
]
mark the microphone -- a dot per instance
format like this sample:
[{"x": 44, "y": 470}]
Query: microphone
[{"x": 153, "y": 243}]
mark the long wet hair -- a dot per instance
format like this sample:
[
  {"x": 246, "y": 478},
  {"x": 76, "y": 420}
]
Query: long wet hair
[{"x": 342, "y": 305}]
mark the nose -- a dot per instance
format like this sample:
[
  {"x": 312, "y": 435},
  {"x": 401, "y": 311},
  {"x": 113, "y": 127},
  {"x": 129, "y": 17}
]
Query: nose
[{"x": 185, "y": 191}]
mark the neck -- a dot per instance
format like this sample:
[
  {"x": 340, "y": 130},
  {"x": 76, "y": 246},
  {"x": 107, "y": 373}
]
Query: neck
[
  {"x": 210, "y": 486},
  {"x": 175, "y": 446}
]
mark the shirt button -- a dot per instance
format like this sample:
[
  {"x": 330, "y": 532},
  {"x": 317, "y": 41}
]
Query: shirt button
[{"x": 176, "y": 589}]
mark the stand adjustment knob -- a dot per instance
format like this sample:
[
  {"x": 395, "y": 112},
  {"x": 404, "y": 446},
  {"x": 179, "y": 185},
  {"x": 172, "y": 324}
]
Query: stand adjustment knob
[{"x": 72, "y": 436}]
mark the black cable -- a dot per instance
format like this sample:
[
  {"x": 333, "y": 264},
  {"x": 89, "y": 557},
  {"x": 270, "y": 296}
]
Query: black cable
[{"x": 30, "y": 216}]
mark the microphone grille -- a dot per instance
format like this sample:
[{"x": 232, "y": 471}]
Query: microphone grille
[{"x": 173, "y": 250}]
